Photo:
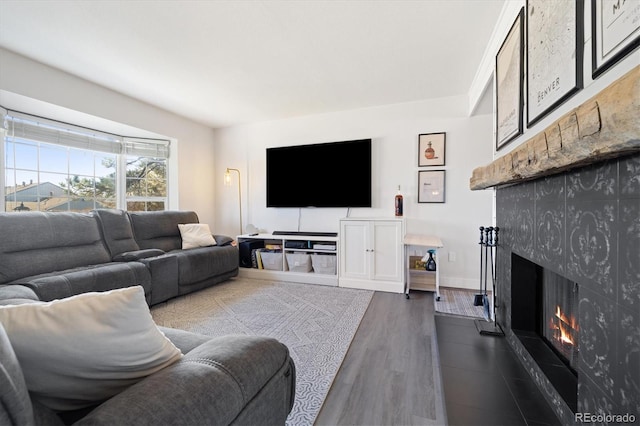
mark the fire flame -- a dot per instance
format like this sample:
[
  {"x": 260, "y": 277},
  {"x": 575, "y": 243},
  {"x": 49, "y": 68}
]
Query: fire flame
[{"x": 564, "y": 327}]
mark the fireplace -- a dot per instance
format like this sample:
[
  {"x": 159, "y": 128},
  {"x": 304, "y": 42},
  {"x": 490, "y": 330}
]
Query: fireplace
[
  {"x": 559, "y": 328},
  {"x": 568, "y": 201},
  {"x": 579, "y": 232},
  {"x": 545, "y": 320}
]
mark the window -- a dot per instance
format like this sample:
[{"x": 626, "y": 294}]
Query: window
[{"x": 53, "y": 166}]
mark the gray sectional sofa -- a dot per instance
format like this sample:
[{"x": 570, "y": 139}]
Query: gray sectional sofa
[
  {"x": 239, "y": 380},
  {"x": 230, "y": 380},
  {"x": 58, "y": 255}
]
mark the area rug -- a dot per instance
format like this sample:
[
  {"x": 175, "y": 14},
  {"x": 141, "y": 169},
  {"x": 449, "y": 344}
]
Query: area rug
[
  {"x": 458, "y": 302},
  {"x": 317, "y": 323}
]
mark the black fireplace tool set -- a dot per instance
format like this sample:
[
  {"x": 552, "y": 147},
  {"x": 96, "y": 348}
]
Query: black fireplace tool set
[{"x": 488, "y": 251}]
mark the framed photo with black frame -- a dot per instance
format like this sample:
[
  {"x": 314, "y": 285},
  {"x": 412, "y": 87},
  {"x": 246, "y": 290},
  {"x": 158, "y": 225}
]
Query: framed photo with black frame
[
  {"x": 615, "y": 32},
  {"x": 509, "y": 84},
  {"x": 555, "y": 45},
  {"x": 431, "y": 186},
  {"x": 431, "y": 149}
]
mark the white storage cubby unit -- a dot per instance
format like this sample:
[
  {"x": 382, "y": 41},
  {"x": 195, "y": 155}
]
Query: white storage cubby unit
[
  {"x": 322, "y": 252},
  {"x": 371, "y": 254}
]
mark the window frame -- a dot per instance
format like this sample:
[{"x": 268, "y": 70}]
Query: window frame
[{"x": 129, "y": 146}]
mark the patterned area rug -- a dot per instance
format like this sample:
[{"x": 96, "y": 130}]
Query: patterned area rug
[
  {"x": 459, "y": 302},
  {"x": 317, "y": 323}
]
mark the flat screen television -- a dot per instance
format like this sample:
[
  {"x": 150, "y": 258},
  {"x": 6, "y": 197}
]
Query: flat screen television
[{"x": 335, "y": 174}]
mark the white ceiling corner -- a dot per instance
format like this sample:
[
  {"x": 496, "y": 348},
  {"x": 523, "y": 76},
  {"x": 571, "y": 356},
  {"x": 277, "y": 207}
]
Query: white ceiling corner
[{"x": 224, "y": 63}]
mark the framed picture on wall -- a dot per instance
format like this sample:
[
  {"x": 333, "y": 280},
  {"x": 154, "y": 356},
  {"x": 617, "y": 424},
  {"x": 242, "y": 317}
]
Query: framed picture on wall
[
  {"x": 615, "y": 32},
  {"x": 431, "y": 149},
  {"x": 431, "y": 186},
  {"x": 509, "y": 78},
  {"x": 555, "y": 34}
]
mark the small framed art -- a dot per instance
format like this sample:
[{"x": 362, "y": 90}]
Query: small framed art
[
  {"x": 431, "y": 149},
  {"x": 615, "y": 29},
  {"x": 431, "y": 186}
]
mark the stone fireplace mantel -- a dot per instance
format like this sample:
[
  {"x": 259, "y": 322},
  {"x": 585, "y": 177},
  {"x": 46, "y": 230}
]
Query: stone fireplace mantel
[{"x": 606, "y": 126}]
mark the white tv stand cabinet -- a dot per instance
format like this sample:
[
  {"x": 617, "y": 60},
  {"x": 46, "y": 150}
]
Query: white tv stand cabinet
[
  {"x": 371, "y": 253},
  {"x": 287, "y": 275}
]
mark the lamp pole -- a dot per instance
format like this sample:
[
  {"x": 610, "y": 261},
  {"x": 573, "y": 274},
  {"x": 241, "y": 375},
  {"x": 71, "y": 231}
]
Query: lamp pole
[{"x": 227, "y": 180}]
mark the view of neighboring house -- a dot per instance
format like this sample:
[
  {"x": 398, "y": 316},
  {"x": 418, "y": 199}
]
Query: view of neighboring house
[{"x": 45, "y": 196}]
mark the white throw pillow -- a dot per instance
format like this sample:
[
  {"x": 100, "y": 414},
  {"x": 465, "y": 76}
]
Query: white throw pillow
[
  {"x": 196, "y": 235},
  {"x": 80, "y": 351}
]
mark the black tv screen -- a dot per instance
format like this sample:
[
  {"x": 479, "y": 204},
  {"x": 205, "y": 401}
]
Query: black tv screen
[{"x": 336, "y": 174}]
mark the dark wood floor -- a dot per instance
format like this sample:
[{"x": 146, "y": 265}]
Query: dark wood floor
[{"x": 387, "y": 377}]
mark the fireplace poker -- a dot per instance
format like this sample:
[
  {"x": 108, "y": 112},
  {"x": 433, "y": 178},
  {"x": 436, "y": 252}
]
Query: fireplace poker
[
  {"x": 488, "y": 242},
  {"x": 493, "y": 270},
  {"x": 488, "y": 250},
  {"x": 477, "y": 299}
]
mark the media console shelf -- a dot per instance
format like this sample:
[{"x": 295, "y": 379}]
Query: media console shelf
[{"x": 291, "y": 265}]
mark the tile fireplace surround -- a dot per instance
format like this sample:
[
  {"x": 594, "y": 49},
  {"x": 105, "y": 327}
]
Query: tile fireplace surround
[
  {"x": 583, "y": 225},
  {"x": 568, "y": 200}
]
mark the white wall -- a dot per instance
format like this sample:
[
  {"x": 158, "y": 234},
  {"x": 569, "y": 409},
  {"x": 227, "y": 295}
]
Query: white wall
[
  {"x": 394, "y": 130},
  {"x": 194, "y": 147}
]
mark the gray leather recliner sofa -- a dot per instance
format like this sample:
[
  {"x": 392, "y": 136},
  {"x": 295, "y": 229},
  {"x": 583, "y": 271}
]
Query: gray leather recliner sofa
[
  {"x": 59, "y": 254},
  {"x": 237, "y": 380},
  {"x": 229, "y": 380}
]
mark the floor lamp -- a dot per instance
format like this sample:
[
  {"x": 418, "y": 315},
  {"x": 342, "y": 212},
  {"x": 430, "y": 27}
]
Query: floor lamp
[{"x": 227, "y": 182}]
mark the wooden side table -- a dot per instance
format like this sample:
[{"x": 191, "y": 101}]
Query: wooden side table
[{"x": 428, "y": 242}]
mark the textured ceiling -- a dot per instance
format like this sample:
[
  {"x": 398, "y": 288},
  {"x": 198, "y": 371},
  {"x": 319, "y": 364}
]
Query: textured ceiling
[{"x": 223, "y": 63}]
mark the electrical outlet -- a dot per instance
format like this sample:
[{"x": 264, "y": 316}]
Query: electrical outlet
[{"x": 452, "y": 256}]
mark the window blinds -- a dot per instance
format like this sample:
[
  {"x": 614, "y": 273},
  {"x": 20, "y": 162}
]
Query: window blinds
[
  {"x": 25, "y": 126},
  {"x": 145, "y": 148}
]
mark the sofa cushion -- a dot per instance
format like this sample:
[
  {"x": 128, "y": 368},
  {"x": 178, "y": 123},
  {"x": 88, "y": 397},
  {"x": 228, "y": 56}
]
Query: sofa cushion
[
  {"x": 198, "y": 264},
  {"x": 196, "y": 235},
  {"x": 33, "y": 243},
  {"x": 15, "y": 405},
  {"x": 159, "y": 230},
  {"x": 116, "y": 230},
  {"x": 82, "y": 350},
  {"x": 109, "y": 276}
]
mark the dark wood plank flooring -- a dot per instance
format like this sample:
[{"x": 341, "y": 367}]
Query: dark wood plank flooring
[
  {"x": 388, "y": 377},
  {"x": 395, "y": 373}
]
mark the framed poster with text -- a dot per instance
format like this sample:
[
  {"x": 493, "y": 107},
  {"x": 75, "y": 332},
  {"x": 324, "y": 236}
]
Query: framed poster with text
[
  {"x": 555, "y": 34},
  {"x": 509, "y": 77},
  {"x": 431, "y": 186},
  {"x": 615, "y": 30}
]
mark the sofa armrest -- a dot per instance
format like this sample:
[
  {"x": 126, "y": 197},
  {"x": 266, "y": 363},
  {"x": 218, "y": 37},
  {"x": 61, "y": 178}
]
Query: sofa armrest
[
  {"x": 14, "y": 294},
  {"x": 210, "y": 385},
  {"x": 222, "y": 240},
  {"x": 164, "y": 277},
  {"x": 132, "y": 256}
]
